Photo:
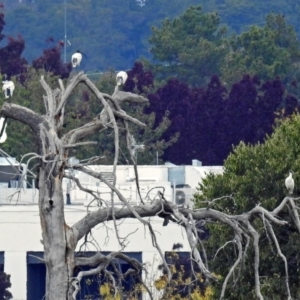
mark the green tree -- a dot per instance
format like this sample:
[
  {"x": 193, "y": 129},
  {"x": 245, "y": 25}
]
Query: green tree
[
  {"x": 20, "y": 139},
  {"x": 187, "y": 282},
  {"x": 139, "y": 82},
  {"x": 240, "y": 15},
  {"x": 190, "y": 47},
  {"x": 82, "y": 107},
  {"x": 194, "y": 46},
  {"x": 112, "y": 33},
  {"x": 268, "y": 52},
  {"x": 254, "y": 175}
]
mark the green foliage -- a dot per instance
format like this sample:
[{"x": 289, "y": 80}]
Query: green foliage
[
  {"x": 186, "y": 283},
  {"x": 112, "y": 33},
  {"x": 254, "y": 175},
  {"x": 150, "y": 136},
  {"x": 240, "y": 15},
  {"x": 82, "y": 107},
  {"x": 29, "y": 94},
  {"x": 268, "y": 52},
  {"x": 191, "y": 46},
  {"x": 194, "y": 46},
  {"x": 107, "y": 291}
]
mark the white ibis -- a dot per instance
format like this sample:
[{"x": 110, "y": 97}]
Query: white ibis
[
  {"x": 289, "y": 183},
  {"x": 76, "y": 59},
  {"x": 121, "y": 78},
  {"x": 3, "y": 137},
  {"x": 8, "y": 88}
]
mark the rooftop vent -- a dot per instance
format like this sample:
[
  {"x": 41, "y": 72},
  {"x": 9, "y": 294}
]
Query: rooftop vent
[{"x": 196, "y": 163}]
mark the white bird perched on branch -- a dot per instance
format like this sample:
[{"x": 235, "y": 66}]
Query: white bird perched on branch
[
  {"x": 8, "y": 88},
  {"x": 121, "y": 78},
  {"x": 289, "y": 183},
  {"x": 76, "y": 59},
  {"x": 3, "y": 137}
]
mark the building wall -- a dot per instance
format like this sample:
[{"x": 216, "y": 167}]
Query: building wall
[
  {"x": 20, "y": 230},
  {"x": 20, "y": 233}
]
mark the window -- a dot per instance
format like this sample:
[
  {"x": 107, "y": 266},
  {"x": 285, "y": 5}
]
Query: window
[
  {"x": 1, "y": 261},
  {"x": 90, "y": 285},
  {"x": 36, "y": 276}
]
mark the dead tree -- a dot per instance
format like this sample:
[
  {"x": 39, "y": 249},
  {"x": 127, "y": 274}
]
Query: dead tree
[{"x": 60, "y": 240}]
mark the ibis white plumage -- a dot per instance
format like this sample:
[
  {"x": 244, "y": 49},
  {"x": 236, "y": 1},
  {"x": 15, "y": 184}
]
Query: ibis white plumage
[
  {"x": 8, "y": 88},
  {"x": 3, "y": 137},
  {"x": 289, "y": 183},
  {"x": 76, "y": 59},
  {"x": 121, "y": 78}
]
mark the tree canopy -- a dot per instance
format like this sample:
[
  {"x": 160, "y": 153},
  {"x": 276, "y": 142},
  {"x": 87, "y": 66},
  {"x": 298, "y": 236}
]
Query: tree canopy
[
  {"x": 268, "y": 52},
  {"x": 90, "y": 23},
  {"x": 94, "y": 27},
  {"x": 11, "y": 62},
  {"x": 195, "y": 46},
  {"x": 83, "y": 106},
  {"x": 254, "y": 176},
  {"x": 191, "y": 47},
  {"x": 211, "y": 114},
  {"x": 213, "y": 119},
  {"x": 248, "y": 231}
]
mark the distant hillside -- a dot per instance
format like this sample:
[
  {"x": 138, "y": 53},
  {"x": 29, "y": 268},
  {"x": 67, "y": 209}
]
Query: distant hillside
[
  {"x": 240, "y": 14},
  {"x": 114, "y": 33}
]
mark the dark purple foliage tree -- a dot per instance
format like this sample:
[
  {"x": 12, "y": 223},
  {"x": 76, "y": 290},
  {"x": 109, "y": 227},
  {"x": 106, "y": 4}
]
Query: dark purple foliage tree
[
  {"x": 2, "y": 22},
  {"x": 11, "y": 62},
  {"x": 178, "y": 101},
  {"x": 253, "y": 104},
  {"x": 139, "y": 80},
  {"x": 212, "y": 120},
  {"x": 4, "y": 285},
  {"x": 51, "y": 61},
  {"x": 291, "y": 105}
]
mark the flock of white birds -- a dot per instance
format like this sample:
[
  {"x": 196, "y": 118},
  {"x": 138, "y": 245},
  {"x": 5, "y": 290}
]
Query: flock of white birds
[
  {"x": 77, "y": 58},
  {"x": 8, "y": 88}
]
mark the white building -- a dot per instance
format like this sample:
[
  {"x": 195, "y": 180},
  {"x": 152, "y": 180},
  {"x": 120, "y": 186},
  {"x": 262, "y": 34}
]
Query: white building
[{"x": 20, "y": 232}]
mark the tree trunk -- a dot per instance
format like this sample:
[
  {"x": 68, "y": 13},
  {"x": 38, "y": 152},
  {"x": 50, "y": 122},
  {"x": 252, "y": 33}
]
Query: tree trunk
[
  {"x": 59, "y": 240},
  {"x": 57, "y": 237}
]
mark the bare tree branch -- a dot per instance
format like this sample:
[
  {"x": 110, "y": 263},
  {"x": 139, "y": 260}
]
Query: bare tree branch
[
  {"x": 237, "y": 240},
  {"x": 82, "y": 132},
  {"x": 22, "y": 114},
  {"x": 270, "y": 229},
  {"x": 66, "y": 93},
  {"x": 50, "y": 107},
  {"x": 60, "y": 240},
  {"x": 121, "y": 96},
  {"x": 80, "y": 144}
]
